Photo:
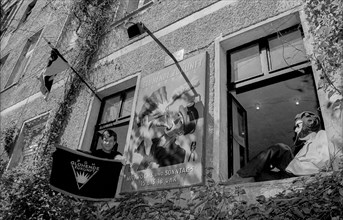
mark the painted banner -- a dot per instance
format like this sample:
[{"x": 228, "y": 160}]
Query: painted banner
[
  {"x": 84, "y": 176},
  {"x": 167, "y": 135}
]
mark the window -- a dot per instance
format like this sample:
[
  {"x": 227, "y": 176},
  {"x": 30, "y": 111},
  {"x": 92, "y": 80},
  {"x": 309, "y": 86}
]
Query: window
[
  {"x": 136, "y": 4},
  {"x": 115, "y": 112},
  {"x": 27, "y": 13},
  {"x": 24, "y": 59},
  {"x": 257, "y": 101},
  {"x": 6, "y": 17},
  {"x": 28, "y": 141},
  {"x": 270, "y": 81},
  {"x": 2, "y": 61},
  {"x": 267, "y": 55}
]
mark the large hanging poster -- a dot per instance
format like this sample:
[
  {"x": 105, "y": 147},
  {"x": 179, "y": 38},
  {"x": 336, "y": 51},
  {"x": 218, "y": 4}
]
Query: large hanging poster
[{"x": 167, "y": 135}]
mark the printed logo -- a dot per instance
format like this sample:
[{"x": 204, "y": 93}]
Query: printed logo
[{"x": 83, "y": 172}]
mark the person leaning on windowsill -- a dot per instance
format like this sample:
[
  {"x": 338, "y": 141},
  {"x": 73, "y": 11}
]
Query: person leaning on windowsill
[
  {"x": 109, "y": 147},
  {"x": 310, "y": 148}
]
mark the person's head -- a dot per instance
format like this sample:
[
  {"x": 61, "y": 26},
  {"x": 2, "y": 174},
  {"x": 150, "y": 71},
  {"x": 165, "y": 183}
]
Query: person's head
[
  {"x": 109, "y": 140},
  {"x": 305, "y": 123},
  {"x": 183, "y": 122}
]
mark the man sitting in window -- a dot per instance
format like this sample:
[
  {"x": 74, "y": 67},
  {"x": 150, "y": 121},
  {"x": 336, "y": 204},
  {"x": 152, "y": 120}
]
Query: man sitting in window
[
  {"x": 310, "y": 148},
  {"x": 109, "y": 146}
]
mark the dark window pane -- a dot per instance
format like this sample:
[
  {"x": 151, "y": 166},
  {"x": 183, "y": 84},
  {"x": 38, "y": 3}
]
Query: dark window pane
[
  {"x": 273, "y": 122},
  {"x": 23, "y": 59},
  {"x": 245, "y": 63},
  {"x": 286, "y": 50},
  {"x": 111, "y": 109},
  {"x": 127, "y": 104}
]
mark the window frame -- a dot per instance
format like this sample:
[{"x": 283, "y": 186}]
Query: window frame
[
  {"x": 88, "y": 130},
  {"x": 27, "y": 13},
  {"x": 119, "y": 121},
  {"x": 7, "y": 20},
  {"x": 19, "y": 148},
  {"x": 267, "y": 73},
  {"x": 3, "y": 60},
  {"x": 265, "y": 58},
  {"x": 18, "y": 69},
  {"x": 86, "y": 141},
  {"x": 232, "y": 40}
]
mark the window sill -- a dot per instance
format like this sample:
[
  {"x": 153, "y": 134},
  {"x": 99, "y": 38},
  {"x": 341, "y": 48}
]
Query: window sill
[{"x": 272, "y": 187}]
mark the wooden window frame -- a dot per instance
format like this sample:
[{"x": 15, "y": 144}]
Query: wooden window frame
[
  {"x": 27, "y": 12},
  {"x": 114, "y": 123},
  {"x": 265, "y": 58},
  {"x": 19, "y": 70}
]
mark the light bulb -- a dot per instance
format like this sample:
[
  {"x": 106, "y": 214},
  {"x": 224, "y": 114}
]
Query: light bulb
[
  {"x": 297, "y": 101},
  {"x": 257, "y": 106}
]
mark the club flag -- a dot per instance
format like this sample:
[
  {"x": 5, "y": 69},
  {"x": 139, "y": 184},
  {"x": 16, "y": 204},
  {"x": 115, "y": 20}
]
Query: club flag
[
  {"x": 84, "y": 176},
  {"x": 55, "y": 65}
]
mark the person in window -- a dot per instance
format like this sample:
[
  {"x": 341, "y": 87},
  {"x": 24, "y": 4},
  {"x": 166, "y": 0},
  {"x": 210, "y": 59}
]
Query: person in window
[
  {"x": 310, "y": 148},
  {"x": 109, "y": 146}
]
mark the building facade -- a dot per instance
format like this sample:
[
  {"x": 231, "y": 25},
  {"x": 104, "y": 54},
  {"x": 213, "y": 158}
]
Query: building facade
[{"x": 243, "y": 73}]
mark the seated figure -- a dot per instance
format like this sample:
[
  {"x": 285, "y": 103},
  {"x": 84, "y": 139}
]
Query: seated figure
[{"x": 308, "y": 155}]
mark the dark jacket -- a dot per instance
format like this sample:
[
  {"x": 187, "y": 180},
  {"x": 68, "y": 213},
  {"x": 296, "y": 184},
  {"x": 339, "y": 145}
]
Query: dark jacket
[{"x": 103, "y": 154}]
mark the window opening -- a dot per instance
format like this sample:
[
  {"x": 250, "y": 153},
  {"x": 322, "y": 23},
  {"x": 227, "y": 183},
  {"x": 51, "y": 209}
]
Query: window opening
[
  {"x": 2, "y": 61},
  {"x": 23, "y": 59},
  {"x": 115, "y": 112},
  {"x": 28, "y": 141},
  {"x": 6, "y": 18},
  {"x": 270, "y": 81},
  {"x": 27, "y": 12}
]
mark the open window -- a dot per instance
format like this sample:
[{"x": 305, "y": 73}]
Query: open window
[
  {"x": 115, "y": 112},
  {"x": 269, "y": 82}
]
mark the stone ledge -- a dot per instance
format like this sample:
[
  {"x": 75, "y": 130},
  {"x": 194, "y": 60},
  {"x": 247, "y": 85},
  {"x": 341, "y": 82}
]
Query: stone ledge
[{"x": 250, "y": 191}]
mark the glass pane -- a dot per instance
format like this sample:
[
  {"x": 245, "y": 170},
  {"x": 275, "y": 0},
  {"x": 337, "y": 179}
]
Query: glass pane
[
  {"x": 245, "y": 63},
  {"x": 127, "y": 104},
  {"x": 111, "y": 109},
  {"x": 286, "y": 50},
  {"x": 239, "y": 137}
]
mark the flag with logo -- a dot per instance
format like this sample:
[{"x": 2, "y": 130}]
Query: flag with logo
[
  {"x": 55, "y": 65},
  {"x": 84, "y": 176}
]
